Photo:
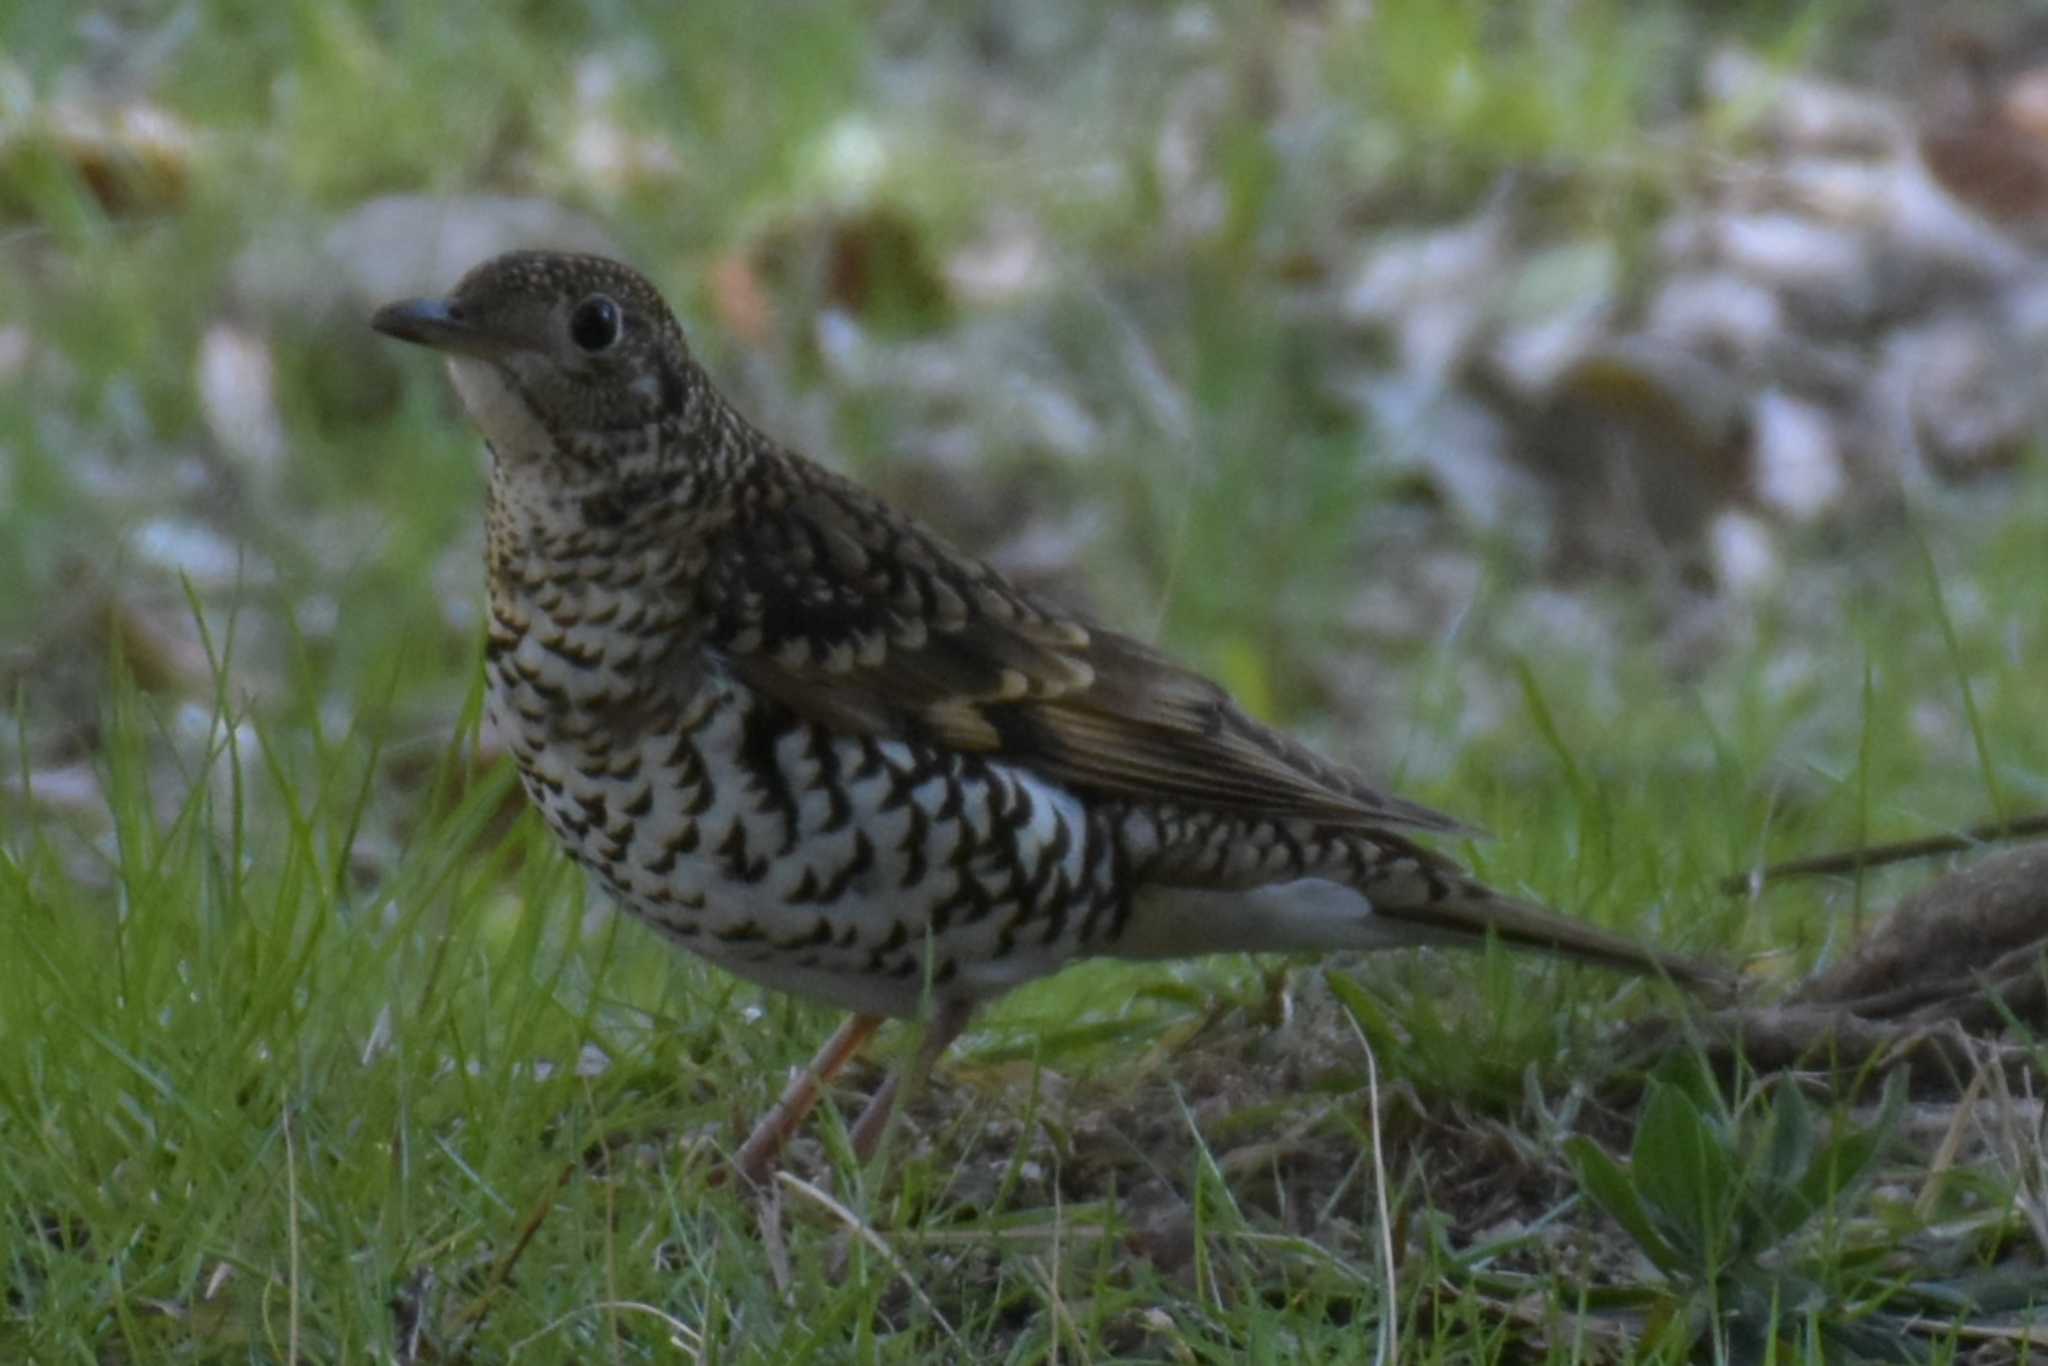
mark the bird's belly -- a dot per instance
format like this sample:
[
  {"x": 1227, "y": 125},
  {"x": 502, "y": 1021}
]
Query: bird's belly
[{"x": 870, "y": 874}]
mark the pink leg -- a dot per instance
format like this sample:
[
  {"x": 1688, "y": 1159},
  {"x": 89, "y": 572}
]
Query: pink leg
[
  {"x": 944, "y": 1026},
  {"x": 757, "y": 1155}
]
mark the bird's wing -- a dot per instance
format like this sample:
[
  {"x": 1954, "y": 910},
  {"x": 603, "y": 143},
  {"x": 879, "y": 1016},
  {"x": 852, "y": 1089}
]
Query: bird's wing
[{"x": 855, "y": 616}]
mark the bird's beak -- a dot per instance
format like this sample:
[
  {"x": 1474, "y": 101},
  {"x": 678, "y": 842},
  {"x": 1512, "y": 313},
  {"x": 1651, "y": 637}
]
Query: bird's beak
[{"x": 435, "y": 323}]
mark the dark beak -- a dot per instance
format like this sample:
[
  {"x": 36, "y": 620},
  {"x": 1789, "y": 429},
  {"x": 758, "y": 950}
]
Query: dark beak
[{"x": 435, "y": 323}]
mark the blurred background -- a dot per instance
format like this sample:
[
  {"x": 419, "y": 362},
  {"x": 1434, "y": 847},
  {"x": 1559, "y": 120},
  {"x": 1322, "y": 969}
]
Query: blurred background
[
  {"x": 1674, "y": 365},
  {"x": 1616, "y": 421}
]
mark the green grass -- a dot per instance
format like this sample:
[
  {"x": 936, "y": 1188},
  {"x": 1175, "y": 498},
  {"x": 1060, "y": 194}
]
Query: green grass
[{"x": 310, "y": 1043}]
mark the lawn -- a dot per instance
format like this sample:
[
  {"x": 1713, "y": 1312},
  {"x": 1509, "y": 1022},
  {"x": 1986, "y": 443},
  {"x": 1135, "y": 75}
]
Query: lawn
[{"x": 313, "y": 1047}]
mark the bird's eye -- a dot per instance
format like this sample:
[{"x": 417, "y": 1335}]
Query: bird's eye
[{"x": 594, "y": 325}]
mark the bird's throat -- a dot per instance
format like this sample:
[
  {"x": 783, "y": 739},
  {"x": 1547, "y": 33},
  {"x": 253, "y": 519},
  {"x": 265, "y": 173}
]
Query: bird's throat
[{"x": 500, "y": 411}]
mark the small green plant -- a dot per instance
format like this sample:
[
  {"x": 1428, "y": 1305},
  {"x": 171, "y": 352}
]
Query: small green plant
[{"x": 1719, "y": 1200}]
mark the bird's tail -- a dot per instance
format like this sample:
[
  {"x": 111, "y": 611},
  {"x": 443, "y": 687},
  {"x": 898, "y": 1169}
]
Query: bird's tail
[
  {"x": 1321, "y": 915},
  {"x": 1473, "y": 913}
]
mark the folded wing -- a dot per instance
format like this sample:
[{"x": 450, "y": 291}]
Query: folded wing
[{"x": 853, "y": 615}]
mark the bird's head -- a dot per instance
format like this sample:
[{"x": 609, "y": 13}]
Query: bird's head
[{"x": 572, "y": 366}]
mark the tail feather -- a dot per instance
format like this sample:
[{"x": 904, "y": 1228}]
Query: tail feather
[
  {"x": 1319, "y": 915},
  {"x": 1475, "y": 913}
]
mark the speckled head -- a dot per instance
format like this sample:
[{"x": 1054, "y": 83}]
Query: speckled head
[{"x": 558, "y": 358}]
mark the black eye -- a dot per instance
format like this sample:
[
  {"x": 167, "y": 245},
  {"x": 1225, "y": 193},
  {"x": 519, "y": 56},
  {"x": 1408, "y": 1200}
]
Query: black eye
[{"x": 595, "y": 323}]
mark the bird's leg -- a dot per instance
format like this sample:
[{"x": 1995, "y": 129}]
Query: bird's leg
[
  {"x": 948, "y": 1019},
  {"x": 757, "y": 1155}
]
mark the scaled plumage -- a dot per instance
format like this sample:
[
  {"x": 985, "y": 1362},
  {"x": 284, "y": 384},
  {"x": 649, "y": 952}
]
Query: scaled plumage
[{"x": 798, "y": 733}]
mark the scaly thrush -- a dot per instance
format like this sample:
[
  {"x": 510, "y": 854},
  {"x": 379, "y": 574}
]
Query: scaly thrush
[{"x": 796, "y": 732}]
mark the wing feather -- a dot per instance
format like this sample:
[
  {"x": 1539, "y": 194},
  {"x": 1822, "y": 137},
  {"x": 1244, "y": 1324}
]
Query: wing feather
[{"x": 852, "y": 614}]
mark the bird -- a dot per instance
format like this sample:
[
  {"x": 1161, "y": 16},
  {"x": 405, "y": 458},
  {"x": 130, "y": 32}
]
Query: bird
[{"x": 796, "y": 732}]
